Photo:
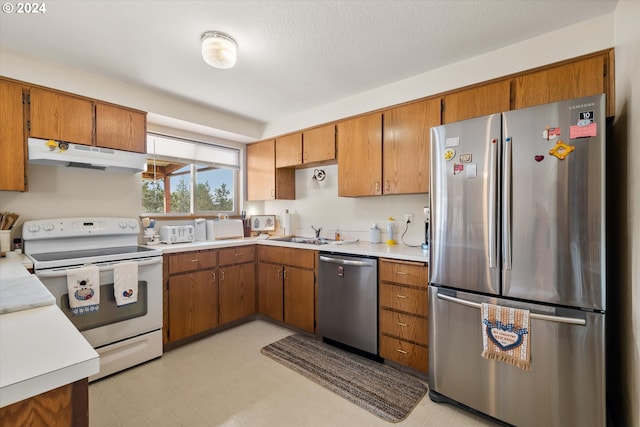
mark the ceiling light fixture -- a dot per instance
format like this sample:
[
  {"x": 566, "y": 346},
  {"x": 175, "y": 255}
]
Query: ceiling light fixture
[{"x": 219, "y": 50}]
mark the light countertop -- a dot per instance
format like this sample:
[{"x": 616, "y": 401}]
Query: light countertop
[
  {"x": 399, "y": 252},
  {"x": 41, "y": 349}
]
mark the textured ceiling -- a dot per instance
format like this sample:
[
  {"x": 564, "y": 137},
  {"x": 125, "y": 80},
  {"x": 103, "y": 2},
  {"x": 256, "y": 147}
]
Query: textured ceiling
[{"x": 293, "y": 55}]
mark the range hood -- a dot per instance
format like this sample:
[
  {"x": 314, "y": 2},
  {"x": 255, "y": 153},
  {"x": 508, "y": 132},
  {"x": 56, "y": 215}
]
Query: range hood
[{"x": 54, "y": 153}]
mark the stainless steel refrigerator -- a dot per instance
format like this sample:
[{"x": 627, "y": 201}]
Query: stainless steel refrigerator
[{"x": 518, "y": 220}]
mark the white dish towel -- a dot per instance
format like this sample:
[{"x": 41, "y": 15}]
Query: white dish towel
[
  {"x": 125, "y": 282},
  {"x": 83, "y": 285}
]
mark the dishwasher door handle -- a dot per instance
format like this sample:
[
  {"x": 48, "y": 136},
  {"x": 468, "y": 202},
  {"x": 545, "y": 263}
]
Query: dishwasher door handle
[{"x": 345, "y": 261}]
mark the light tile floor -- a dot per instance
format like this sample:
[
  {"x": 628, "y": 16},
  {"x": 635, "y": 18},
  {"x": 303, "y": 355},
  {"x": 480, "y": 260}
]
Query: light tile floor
[{"x": 224, "y": 380}]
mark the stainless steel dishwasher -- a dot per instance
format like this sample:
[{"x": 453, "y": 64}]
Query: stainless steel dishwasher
[{"x": 348, "y": 300}]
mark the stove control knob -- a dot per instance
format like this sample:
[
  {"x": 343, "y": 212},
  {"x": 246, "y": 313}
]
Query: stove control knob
[
  {"x": 133, "y": 223},
  {"x": 123, "y": 224},
  {"x": 34, "y": 228},
  {"x": 48, "y": 226}
]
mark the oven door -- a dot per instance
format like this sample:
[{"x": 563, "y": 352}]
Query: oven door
[{"x": 113, "y": 323}]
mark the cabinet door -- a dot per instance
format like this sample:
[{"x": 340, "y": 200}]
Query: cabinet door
[
  {"x": 12, "y": 140},
  {"x": 478, "y": 101},
  {"x": 319, "y": 144},
  {"x": 264, "y": 181},
  {"x": 270, "y": 291},
  {"x": 193, "y": 304},
  {"x": 573, "y": 80},
  {"x": 121, "y": 128},
  {"x": 237, "y": 292},
  {"x": 299, "y": 306},
  {"x": 405, "y": 163},
  {"x": 61, "y": 117},
  {"x": 289, "y": 150},
  {"x": 360, "y": 156}
]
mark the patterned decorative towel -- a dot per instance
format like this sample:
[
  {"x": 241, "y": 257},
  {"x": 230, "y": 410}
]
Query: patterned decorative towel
[
  {"x": 505, "y": 335},
  {"x": 83, "y": 285},
  {"x": 125, "y": 282}
]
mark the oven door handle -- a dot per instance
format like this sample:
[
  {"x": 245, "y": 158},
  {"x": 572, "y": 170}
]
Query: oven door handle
[{"x": 106, "y": 267}]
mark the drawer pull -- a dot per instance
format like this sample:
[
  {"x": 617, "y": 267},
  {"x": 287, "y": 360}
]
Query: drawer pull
[
  {"x": 402, "y": 296},
  {"x": 402, "y": 273},
  {"x": 401, "y": 324},
  {"x": 401, "y": 351},
  {"x": 195, "y": 260}
]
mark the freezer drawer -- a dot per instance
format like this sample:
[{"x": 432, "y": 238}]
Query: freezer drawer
[{"x": 566, "y": 386}]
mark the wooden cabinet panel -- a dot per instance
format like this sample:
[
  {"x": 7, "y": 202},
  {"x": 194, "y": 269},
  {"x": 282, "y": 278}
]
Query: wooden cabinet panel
[
  {"x": 360, "y": 156},
  {"x": 404, "y": 272},
  {"x": 406, "y": 140},
  {"x": 12, "y": 138},
  {"x": 405, "y": 353},
  {"x": 403, "y": 299},
  {"x": 477, "y": 101},
  {"x": 191, "y": 261},
  {"x": 61, "y": 117},
  {"x": 193, "y": 304},
  {"x": 407, "y": 327},
  {"x": 237, "y": 292},
  {"x": 319, "y": 144},
  {"x": 264, "y": 181},
  {"x": 121, "y": 128},
  {"x": 299, "y": 301},
  {"x": 289, "y": 150},
  {"x": 240, "y": 254},
  {"x": 303, "y": 258},
  {"x": 270, "y": 290},
  {"x": 573, "y": 80}
]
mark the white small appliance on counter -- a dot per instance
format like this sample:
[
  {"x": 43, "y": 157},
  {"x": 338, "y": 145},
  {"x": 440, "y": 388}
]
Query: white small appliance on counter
[
  {"x": 225, "y": 229},
  {"x": 177, "y": 234}
]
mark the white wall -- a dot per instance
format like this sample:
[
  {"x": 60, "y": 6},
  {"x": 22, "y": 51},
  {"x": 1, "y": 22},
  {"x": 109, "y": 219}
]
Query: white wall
[{"x": 624, "y": 222}]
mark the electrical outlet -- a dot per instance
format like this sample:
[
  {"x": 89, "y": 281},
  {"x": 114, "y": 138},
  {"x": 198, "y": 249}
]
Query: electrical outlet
[{"x": 408, "y": 218}]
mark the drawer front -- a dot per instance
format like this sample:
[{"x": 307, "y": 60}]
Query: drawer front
[
  {"x": 272, "y": 254},
  {"x": 404, "y": 299},
  {"x": 191, "y": 261},
  {"x": 406, "y": 273},
  {"x": 303, "y": 258},
  {"x": 404, "y": 353},
  {"x": 407, "y": 327},
  {"x": 237, "y": 255}
]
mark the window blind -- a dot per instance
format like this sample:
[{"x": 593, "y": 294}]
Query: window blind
[{"x": 186, "y": 151}]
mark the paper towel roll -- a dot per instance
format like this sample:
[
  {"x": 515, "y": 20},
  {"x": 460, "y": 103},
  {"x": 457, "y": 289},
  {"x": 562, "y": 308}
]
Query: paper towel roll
[
  {"x": 210, "y": 235},
  {"x": 286, "y": 223}
]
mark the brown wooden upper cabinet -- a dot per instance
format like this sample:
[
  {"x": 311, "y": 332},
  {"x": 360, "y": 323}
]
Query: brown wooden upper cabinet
[
  {"x": 264, "y": 181},
  {"x": 12, "y": 137},
  {"x": 64, "y": 117},
  {"x": 405, "y": 152},
  {"x": 308, "y": 147},
  {"x": 121, "y": 128},
  {"x": 360, "y": 156},
  {"x": 55, "y": 115},
  {"x": 476, "y": 101},
  {"x": 590, "y": 76}
]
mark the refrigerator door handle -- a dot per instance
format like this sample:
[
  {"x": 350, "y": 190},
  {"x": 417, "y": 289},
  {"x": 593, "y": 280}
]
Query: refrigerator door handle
[
  {"x": 493, "y": 204},
  {"x": 546, "y": 317},
  {"x": 506, "y": 205}
]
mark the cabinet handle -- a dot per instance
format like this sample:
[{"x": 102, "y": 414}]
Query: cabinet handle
[
  {"x": 273, "y": 192},
  {"x": 401, "y": 351},
  {"x": 285, "y": 274},
  {"x": 222, "y": 276},
  {"x": 402, "y": 296},
  {"x": 401, "y": 324},
  {"x": 377, "y": 186},
  {"x": 387, "y": 185},
  {"x": 213, "y": 273},
  {"x": 401, "y": 273},
  {"x": 279, "y": 273},
  {"x": 195, "y": 260}
]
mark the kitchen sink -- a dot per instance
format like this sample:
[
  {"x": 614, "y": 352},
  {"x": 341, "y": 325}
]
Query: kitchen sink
[{"x": 307, "y": 240}]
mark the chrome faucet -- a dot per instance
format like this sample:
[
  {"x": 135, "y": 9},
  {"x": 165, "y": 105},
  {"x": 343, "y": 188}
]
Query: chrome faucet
[{"x": 317, "y": 230}]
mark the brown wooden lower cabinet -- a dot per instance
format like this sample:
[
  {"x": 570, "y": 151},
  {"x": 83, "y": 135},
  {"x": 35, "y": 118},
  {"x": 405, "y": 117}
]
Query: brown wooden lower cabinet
[
  {"x": 193, "y": 303},
  {"x": 403, "y": 352},
  {"x": 64, "y": 406}
]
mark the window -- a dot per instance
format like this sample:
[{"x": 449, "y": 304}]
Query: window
[{"x": 189, "y": 178}]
